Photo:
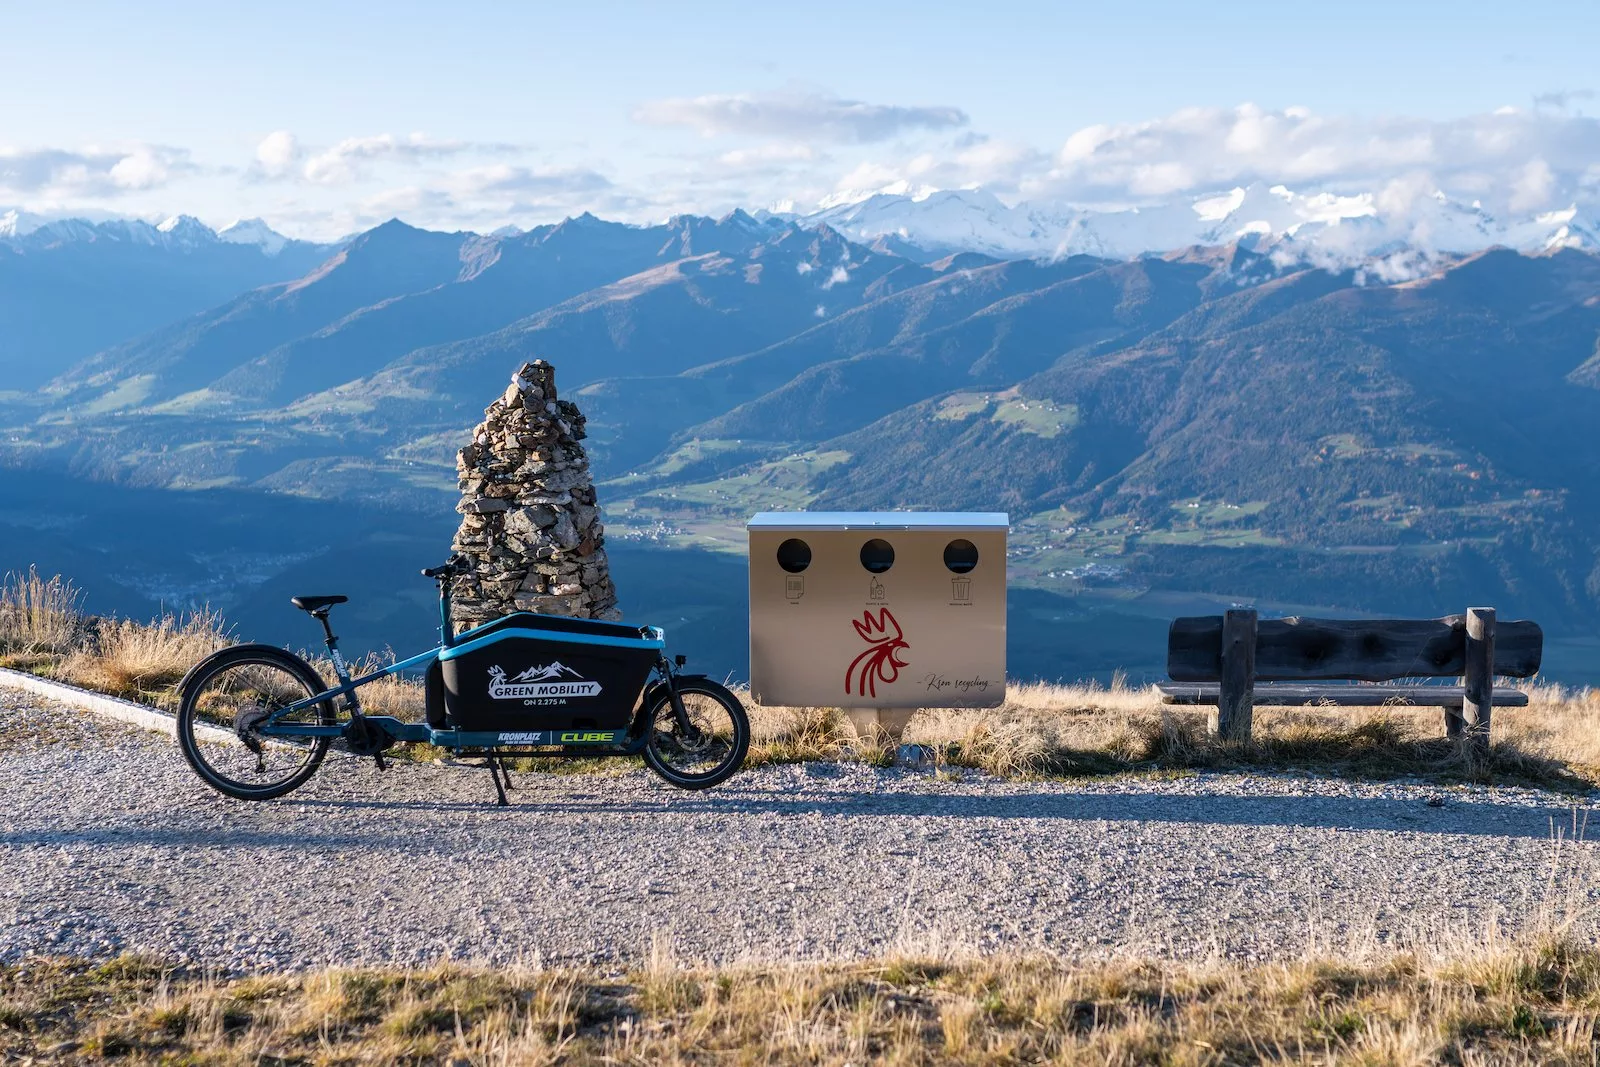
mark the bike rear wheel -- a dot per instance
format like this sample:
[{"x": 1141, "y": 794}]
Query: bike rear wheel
[
  {"x": 711, "y": 750},
  {"x": 224, "y": 701}
]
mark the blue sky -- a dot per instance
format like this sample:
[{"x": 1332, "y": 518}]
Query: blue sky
[{"x": 324, "y": 117}]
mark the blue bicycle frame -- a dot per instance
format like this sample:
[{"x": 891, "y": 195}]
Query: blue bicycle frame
[{"x": 586, "y": 742}]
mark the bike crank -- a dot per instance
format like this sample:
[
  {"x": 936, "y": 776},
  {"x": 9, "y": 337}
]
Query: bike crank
[{"x": 364, "y": 739}]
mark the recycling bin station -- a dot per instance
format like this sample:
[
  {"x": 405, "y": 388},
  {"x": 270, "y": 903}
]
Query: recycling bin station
[{"x": 878, "y": 613}]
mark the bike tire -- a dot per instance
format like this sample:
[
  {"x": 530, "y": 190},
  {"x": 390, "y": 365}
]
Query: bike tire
[
  {"x": 729, "y": 763},
  {"x": 239, "y": 656}
]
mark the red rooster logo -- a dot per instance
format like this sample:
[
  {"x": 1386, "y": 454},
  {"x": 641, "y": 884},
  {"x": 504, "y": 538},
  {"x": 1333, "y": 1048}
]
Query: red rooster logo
[{"x": 880, "y": 662}]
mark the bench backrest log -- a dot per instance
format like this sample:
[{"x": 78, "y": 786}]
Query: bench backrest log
[
  {"x": 1367, "y": 650},
  {"x": 1237, "y": 649}
]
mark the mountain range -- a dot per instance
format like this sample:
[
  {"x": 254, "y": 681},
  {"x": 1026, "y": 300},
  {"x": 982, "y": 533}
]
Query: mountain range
[
  {"x": 1403, "y": 230},
  {"x": 70, "y": 287},
  {"x": 1222, "y": 421}
]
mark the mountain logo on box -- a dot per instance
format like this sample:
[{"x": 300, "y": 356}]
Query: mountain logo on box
[
  {"x": 544, "y": 674},
  {"x": 553, "y": 680}
]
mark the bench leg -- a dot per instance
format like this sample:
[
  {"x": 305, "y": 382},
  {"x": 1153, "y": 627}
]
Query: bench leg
[
  {"x": 1454, "y": 724},
  {"x": 1235, "y": 703},
  {"x": 1480, "y": 675}
]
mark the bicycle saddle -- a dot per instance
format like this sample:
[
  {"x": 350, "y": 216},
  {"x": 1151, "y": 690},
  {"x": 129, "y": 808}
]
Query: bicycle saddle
[{"x": 315, "y": 604}]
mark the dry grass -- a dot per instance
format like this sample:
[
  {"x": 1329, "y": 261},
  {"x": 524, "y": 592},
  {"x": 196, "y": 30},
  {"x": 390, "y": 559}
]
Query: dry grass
[
  {"x": 38, "y": 616},
  {"x": 1559, "y": 723},
  {"x": 404, "y": 698},
  {"x": 143, "y": 660},
  {"x": 1089, "y": 729},
  {"x": 793, "y": 735},
  {"x": 1531, "y": 1003}
]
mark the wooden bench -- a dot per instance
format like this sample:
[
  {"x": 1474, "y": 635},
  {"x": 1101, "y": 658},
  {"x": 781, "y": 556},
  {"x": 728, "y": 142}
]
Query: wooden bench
[{"x": 1218, "y": 659}]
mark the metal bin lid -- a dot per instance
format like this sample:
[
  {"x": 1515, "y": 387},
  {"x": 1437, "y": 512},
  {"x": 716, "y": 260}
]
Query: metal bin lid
[{"x": 879, "y": 520}]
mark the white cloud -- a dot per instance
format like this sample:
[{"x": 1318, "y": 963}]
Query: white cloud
[
  {"x": 1513, "y": 160},
  {"x": 94, "y": 173},
  {"x": 277, "y": 153},
  {"x": 996, "y": 160},
  {"x": 540, "y": 181},
  {"x": 1529, "y": 154},
  {"x": 1401, "y": 195},
  {"x": 870, "y": 175},
  {"x": 765, "y": 155},
  {"x": 281, "y": 155},
  {"x": 1002, "y": 167},
  {"x": 797, "y": 115},
  {"x": 343, "y": 162},
  {"x": 1532, "y": 186},
  {"x": 484, "y": 199},
  {"x": 412, "y": 201},
  {"x": 144, "y": 168}
]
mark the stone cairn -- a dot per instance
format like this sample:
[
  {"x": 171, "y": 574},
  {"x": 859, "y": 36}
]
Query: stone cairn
[{"x": 529, "y": 522}]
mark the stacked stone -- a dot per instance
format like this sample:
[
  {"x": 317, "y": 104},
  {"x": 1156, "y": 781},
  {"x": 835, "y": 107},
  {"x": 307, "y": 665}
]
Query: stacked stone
[{"x": 529, "y": 522}]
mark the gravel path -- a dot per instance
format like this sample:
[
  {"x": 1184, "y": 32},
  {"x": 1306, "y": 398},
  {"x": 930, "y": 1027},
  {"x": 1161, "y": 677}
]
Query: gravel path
[{"x": 109, "y": 843}]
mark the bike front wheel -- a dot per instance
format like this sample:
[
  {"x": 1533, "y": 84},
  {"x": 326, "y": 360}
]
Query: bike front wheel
[
  {"x": 711, "y": 749},
  {"x": 224, "y": 702}
]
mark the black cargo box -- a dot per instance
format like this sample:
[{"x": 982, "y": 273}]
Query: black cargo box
[{"x": 546, "y": 672}]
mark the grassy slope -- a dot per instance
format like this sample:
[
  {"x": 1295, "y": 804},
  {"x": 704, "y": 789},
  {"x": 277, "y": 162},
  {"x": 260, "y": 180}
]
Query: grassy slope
[{"x": 1532, "y": 1003}]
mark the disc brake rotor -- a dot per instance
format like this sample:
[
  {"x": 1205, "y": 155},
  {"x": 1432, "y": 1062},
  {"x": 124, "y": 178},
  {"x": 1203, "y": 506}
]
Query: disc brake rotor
[{"x": 695, "y": 740}]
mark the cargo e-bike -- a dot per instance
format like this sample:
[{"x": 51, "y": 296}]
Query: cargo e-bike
[{"x": 255, "y": 721}]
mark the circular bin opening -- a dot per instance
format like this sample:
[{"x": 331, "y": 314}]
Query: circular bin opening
[
  {"x": 960, "y": 556},
  {"x": 794, "y": 555},
  {"x": 877, "y": 555}
]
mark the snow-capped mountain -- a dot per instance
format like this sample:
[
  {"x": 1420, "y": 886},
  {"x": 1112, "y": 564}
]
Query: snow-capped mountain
[
  {"x": 958, "y": 220},
  {"x": 186, "y": 231},
  {"x": 1313, "y": 226},
  {"x": 1322, "y": 228},
  {"x": 26, "y": 230},
  {"x": 23, "y": 228},
  {"x": 70, "y": 287},
  {"x": 253, "y": 232},
  {"x": 18, "y": 223}
]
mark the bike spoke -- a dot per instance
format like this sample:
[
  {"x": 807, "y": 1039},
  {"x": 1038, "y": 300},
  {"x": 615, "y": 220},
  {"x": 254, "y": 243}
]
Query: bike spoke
[
  {"x": 233, "y": 704},
  {"x": 701, "y": 749}
]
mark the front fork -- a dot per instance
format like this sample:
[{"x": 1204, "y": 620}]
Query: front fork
[{"x": 669, "y": 676}]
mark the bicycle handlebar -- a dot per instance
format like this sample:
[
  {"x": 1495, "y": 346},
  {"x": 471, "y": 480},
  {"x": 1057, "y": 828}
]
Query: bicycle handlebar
[{"x": 456, "y": 564}]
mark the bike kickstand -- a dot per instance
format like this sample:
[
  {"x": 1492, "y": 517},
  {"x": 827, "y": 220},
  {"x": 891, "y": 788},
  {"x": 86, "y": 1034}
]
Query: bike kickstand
[
  {"x": 382, "y": 765},
  {"x": 499, "y": 790}
]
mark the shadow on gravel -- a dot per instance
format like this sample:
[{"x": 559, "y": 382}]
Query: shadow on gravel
[
  {"x": 529, "y": 815},
  {"x": 1321, "y": 813}
]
